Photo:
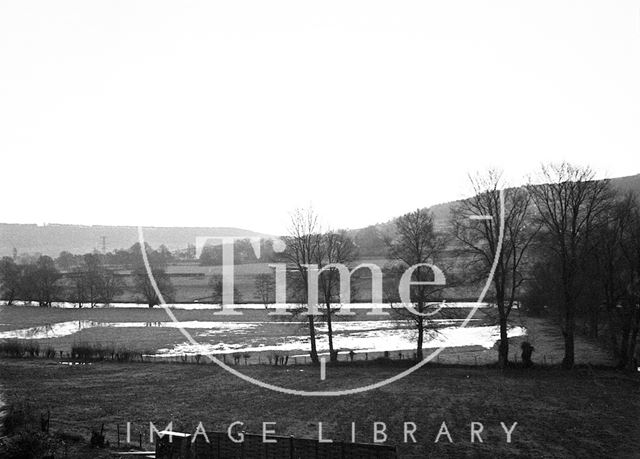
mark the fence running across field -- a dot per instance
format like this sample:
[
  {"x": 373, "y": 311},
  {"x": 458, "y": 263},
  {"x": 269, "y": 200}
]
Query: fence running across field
[
  {"x": 254, "y": 447},
  {"x": 88, "y": 353},
  {"x": 457, "y": 357}
]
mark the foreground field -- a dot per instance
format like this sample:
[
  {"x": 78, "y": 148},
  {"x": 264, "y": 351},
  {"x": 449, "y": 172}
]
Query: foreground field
[{"x": 584, "y": 413}]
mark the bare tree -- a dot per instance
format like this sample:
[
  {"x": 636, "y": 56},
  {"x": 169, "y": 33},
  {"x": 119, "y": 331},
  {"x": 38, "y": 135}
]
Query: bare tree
[
  {"x": 9, "y": 279},
  {"x": 111, "y": 285},
  {"x": 78, "y": 287},
  {"x": 626, "y": 318},
  {"x": 480, "y": 238},
  {"x": 92, "y": 282},
  {"x": 39, "y": 281},
  {"x": 141, "y": 280},
  {"x": 303, "y": 245},
  {"x": 265, "y": 286},
  {"x": 569, "y": 204},
  {"x": 336, "y": 247},
  {"x": 216, "y": 284},
  {"x": 415, "y": 242},
  {"x": 92, "y": 273},
  {"x": 614, "y": 269},
  {"x": 609, "y": 266}
]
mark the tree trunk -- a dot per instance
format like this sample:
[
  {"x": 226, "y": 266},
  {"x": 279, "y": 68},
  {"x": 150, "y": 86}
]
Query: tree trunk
[
  {"x": 333, "y": 357},
  {"x": 594, "y": 322},
  {"x": 419, "y": 355},
  {"x": 312, "y": 336},
  {"x": 569, "y": 331},
  {"x": 624, "y": 346},
  {"x": 611, "y": 332},
  {"x": 503, "y": 350},
  {"x": 632, "y": 363}
]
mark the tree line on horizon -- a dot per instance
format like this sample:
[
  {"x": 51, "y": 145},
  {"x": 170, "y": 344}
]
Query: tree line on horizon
[{"x": 85, "y": 280}]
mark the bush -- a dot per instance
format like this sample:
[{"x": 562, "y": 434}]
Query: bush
[
  {"x": 12, "y": 348},
  {"x": 97, "y": 438},
  {"x": 49, "y": 352},
  {"x": 25, "y": 445},
  {"x": 81, "y": 351},
  {"x": 87, "y": 352},
  {"x": 127, "y": 355},
  {"x": 24, "y": 438},
  {"x": 33, "y": 349},
  {"x": 18, "y": 417}
]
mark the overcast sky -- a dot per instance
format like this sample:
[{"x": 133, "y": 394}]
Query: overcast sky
[{"x": 234, "y": 113}]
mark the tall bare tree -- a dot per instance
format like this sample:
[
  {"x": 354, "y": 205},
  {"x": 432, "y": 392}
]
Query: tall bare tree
[
  {"x": 610, "y": 267},
  {"x": 414, "y": 242},
  {"x": 39, "y": 282},
  {"x": 92, "y": 282},
  {"x": 111, "y": 285},
  {"x": 335, "y": 247},
  {"x": 480, "y": 239},
  {"x": 142, "y": 282},
  {"x": 570, "y": 203},
  {"x": 303, "y": 246},
  {"x": 626, "y": 317},
  {"x": 9, "y": 279}
]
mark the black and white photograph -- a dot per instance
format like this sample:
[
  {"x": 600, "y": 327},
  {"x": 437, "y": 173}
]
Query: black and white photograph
[{"x": 315, "y": 230}]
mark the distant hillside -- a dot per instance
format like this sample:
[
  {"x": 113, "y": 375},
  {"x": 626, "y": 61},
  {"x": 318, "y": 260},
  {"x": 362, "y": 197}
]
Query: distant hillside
[
  {"x": 370, "y": 239},
  {"x": 628, "y": 183},
  {"x": 54, "y": 238}
]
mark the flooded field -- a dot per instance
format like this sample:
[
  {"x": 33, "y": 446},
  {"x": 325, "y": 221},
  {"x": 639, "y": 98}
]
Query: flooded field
[{"x": 152, "y": 330}]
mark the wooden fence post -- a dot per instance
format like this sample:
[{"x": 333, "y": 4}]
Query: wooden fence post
[{"x": 291, "y": 456}]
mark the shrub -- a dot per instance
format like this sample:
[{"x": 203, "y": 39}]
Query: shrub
[
  {"x": 49, "y": 352},
  {"x": 97, "y": 438},
  {"x": 12, "y": 348},
  {"x": 127, "y": 355},
  {"x": 18, "y": 417},
  {"x": 33, "y": 349},
  {"x": 87, "y": 352},
  {"x": 25, "y": 445}
]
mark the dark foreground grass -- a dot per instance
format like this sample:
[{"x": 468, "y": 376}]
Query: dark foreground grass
[{"x": 583, "y": 413}]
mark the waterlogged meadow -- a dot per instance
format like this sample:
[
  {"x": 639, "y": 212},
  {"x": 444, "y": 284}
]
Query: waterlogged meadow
[{"x": 255, "y": 331}]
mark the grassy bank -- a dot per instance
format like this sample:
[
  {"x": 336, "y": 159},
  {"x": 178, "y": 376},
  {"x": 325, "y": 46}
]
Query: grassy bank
[{"x": 584, "y": 413}]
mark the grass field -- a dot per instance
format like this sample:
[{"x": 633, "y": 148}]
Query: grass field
[
  {"x": 589, "y": 412},
  {"x": 582, "y": 413}
]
